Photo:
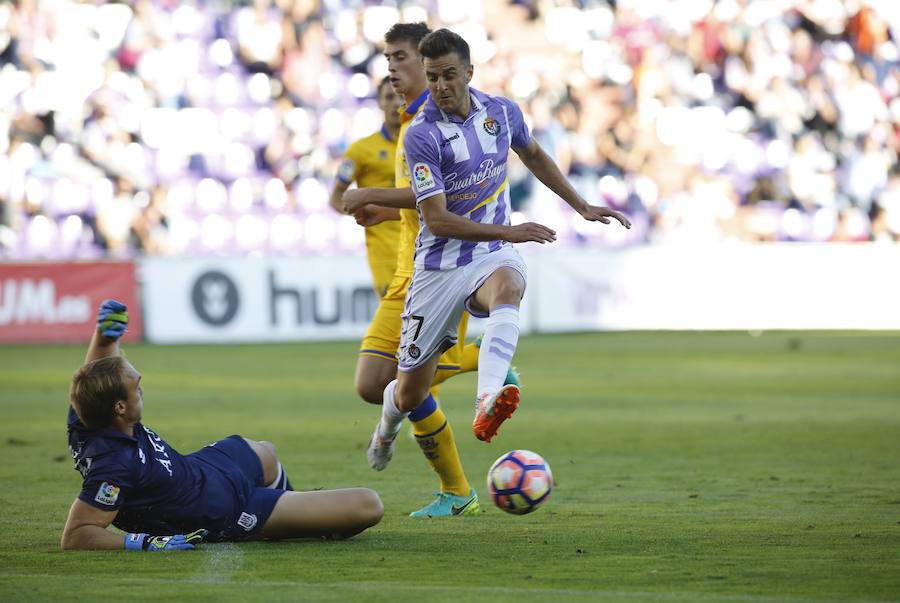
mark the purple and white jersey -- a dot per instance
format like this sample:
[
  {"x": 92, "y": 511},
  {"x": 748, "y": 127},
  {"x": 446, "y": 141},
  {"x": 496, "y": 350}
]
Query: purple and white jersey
[{"x": 465, "y": 160}]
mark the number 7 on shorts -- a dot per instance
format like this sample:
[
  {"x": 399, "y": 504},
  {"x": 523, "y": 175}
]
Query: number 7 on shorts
[{"x": 419, "y": 320}]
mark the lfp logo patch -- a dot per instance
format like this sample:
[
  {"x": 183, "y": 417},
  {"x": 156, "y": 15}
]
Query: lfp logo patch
[
  {"x": 422, "y": 177},
  {"x": 107, "y": 494}
]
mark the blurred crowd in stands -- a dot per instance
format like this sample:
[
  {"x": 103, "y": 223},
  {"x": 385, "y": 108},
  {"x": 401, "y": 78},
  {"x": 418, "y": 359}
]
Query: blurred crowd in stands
[{"x": 212, "y": 127}]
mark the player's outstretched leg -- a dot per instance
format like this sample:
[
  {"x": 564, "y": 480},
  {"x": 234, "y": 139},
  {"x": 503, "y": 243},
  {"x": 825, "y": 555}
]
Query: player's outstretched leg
[
  {"x": 323, "y": 513},
  {"x": 496, "y": 402},
  {"x": 512, "y": 374}
]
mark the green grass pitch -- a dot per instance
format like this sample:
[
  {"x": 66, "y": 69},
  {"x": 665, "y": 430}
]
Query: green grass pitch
[{"x": 689, "y": 467}]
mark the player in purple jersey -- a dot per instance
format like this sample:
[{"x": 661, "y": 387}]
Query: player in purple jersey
[
  {"x": 234, "y": 489},
  {"x": 456, "y": 150}
]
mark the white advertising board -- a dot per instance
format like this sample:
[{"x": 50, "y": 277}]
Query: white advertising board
[
  {"x": 256, "y": 299},
  {"x": 199, "y": 300},
  {"x": 753, "y": 287}
]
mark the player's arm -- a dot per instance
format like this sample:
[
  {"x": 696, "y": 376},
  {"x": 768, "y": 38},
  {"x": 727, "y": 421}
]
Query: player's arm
[
  {"x": 545, "y": 169},
  {"x": 370, "y": 215},
  {"x": 86, "y": 529},
  {"x": 112, "y": 320},
  {"x": 347, "y": 173},
  {"x": 337, "y": 192},
  {"x": 444, "y": 223},
  {"x": 357, "y": 204},
  {"x": 396, "y": 198},
  {"x": 350, "y": 201}
]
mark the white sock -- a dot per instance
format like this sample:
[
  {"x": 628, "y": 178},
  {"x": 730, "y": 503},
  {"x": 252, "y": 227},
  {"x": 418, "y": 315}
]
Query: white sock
[
  {"x": 391, "y": 416},
  {"x": 498, "y": 345}
]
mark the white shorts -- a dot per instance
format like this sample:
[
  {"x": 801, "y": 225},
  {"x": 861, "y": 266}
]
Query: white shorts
[{"x": 436, "y": 300}]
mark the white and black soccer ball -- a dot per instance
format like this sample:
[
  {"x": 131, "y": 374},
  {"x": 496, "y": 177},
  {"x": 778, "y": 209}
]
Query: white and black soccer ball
[{"x": 519, "y": 481}]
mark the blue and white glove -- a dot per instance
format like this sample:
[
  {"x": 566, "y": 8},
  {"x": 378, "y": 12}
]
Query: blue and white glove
[
  {"x": 178, "y": 542},
  {"x": 112, "y": 319}
]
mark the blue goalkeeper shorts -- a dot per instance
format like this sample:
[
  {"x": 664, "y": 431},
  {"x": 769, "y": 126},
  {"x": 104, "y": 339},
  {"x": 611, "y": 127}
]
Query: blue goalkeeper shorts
[{"x": 236, "y": 465}]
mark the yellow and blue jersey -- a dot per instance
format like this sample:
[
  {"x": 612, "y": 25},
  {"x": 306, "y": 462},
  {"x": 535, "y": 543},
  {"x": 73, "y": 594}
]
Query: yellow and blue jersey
[
  {"x": 370, "y": 163},
  {"x": 409, "y": 218}
]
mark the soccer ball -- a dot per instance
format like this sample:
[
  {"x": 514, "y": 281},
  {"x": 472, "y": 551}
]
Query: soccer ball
[{"x": 519, "y": 481}]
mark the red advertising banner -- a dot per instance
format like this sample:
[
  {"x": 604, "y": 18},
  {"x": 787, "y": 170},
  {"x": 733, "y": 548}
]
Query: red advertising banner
[{"x": 57, "y": 302}]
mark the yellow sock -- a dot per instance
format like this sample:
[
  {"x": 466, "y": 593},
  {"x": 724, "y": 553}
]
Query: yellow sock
[
  {"x": 461, "y": 358},
  {"x": 435, "y": 438},
  {"x": 458, "y": 359},
  {"x": 469, "y": 358},
  {"x": 442, "y": 374}
]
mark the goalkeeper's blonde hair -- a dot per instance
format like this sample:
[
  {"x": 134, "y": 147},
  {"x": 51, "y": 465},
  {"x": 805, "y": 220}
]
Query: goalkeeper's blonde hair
[{"x": 95, "y": 389}]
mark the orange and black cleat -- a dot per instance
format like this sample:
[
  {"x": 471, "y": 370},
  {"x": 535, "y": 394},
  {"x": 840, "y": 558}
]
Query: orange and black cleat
[{"x": 492, "y": 409}]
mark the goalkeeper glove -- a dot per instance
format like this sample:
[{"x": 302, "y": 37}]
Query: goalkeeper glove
[
  {"x": 112, "y": 319},
  {"x": 178, "y": 542}
]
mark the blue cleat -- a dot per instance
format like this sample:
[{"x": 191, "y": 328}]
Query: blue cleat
[
  {"x": 512, "y": 375},
  {"x": 449, "y": 505}
]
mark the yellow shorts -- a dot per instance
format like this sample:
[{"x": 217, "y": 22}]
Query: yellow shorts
[
  {"x": 381, "y": 251},
  {"x": 381, "y": 277},
  {"x": 383, "y": 335}
]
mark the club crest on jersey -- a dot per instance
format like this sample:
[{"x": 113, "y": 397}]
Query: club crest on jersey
[
  {"x": 422, "y": 177},
  {"x": 247, "y": 521},
  {"x": 413, "y": 351},
  {"x": 491, "y": 126},
  {"x": 107, "y": 494}
]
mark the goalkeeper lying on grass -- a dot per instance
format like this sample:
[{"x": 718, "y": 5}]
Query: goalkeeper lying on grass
[{"x": 234, "y": 489}]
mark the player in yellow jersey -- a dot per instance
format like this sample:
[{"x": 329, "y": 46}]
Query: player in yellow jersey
[
  {"x": 377, "y": 365},
  {"x": 370, "y": 163}
]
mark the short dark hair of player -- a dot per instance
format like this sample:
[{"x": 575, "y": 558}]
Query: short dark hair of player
[
  {"x": 443, "y": 42},
  {"x": 413, "y": 33},
  {"x": 95, "y": 389}
]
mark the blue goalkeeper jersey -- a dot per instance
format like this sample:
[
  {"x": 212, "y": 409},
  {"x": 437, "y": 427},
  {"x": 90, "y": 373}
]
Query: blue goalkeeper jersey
[{"x": 153, "y": 487}]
